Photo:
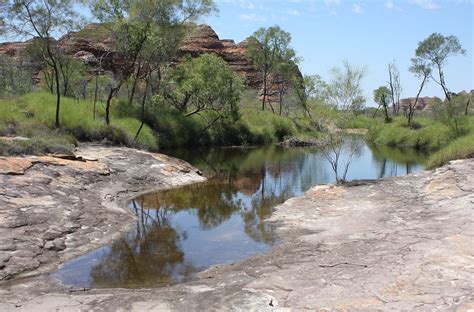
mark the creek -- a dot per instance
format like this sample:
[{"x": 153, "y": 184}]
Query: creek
[{"x": 182, "y": 231}]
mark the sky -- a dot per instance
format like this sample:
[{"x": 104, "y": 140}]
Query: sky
[{"x": 366, "y": 33}]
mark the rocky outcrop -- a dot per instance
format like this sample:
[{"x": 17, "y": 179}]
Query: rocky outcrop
[
  {"x": 424, "y": 103},
  {"x": 55, "y": 208},
  {"x": 92, "y": 45},
  {"x": 203, "y": 39}
]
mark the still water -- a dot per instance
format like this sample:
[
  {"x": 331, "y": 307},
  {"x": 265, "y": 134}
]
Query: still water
[{"x": 182, "y": 231}]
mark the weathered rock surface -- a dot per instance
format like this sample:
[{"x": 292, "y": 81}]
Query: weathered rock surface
[
  {"x": 203, "y": 39},
  {"x": 396, "y": 244},
  {"x": 52, "y": 208}
]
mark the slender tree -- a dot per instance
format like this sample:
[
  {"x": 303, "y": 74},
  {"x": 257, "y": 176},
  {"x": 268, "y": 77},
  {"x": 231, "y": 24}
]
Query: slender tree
[
  {"x": 344, "y": 89},
  {"x": 43, "y": 20},
  {"x": 435, "y": 51},
  {"x": 131, "y": 25},
  {"x": 422, "y": 70},
  {"x": 268, "y": 48},
  {"x": 381, "y": 97},
  {"x": 395, "y": 86}
]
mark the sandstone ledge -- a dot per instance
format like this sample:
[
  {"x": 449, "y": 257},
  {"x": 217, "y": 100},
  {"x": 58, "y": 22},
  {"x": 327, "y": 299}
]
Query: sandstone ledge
[
  {"x": 395, "y": 244},
  {"x": 53, "y": 208}
]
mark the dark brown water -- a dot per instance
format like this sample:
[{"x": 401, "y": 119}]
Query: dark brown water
[{"x": 182, "y": 231}]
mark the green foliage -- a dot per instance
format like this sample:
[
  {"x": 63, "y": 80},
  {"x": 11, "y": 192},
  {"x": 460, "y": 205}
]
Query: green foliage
[
  {"x": 460, "y": 148},
  {"x": 93, "y": 32},
  {"x": 270, "y": 52},
  {"x": 437, "y": 48},
  {"x": 32, "y": 116},
  {"x": 344, "y": 91},
  {"x": 454, "y": 113},
  {"x": 283, "y": 128},
  {"x": 204, "y": 84},
  {"x": 382, "y": 97},
  {"x": 429, "y": 135},
  {"x": 358, "y": 122},
  {"x": 268, "y": 47},
  {"x": 15, "y": 76},
  {"x": 52, "y": 144}
]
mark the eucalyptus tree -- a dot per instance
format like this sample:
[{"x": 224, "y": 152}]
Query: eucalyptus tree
[
  {"x": 395, "y": 86},
  {"x": 422, "y": 70},
  {"x": 133, "y": 26},
  {"x": 344, "y": 88},
  {"x": 435, "y": 51},
  {"x": 381, "y": 97},
  {"x": 43, "y": 20},
  {"x": 205, "y": 86},
  {"x": 286, "y": 77},
  {"x": 267, "y": 49}
]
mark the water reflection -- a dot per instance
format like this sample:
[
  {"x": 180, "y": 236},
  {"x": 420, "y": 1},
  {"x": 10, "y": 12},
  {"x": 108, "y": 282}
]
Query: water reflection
[{"x": 181, "y": 231}]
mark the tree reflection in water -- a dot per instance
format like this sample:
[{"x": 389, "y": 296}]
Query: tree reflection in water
[{"x": 149, "y": 256}]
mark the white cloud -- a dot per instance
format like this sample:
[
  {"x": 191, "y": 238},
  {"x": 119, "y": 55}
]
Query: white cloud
[
  {"x": 253, "y": 17},
  {"x": 426, "y": 4},
  {"x": 332, "y": 2},
  {"x": 357, "y": 9},
  {"x": 294, "y": 12},
  {"x": 247, "y": 5},
  {"x": 390, "y": 4}
]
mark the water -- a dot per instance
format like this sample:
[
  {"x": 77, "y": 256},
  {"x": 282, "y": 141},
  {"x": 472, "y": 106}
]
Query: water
[{"x": 182, "y": 231}]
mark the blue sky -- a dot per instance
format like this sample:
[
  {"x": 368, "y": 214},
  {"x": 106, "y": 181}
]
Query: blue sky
[{"x": 371, "y": 33}]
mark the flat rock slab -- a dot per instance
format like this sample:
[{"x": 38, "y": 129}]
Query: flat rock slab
[
  {"x": 396, "y": 244},
  {"x": 53, "y": 208}
]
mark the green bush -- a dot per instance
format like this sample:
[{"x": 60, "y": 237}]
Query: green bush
[
  {"x": 430, "y": 135},
  {"x": 32, "y": 115},
  {"x": 282, "y": 128},
  {"x": 460, "y": 148},
  {"x": 59, "y": 144}
]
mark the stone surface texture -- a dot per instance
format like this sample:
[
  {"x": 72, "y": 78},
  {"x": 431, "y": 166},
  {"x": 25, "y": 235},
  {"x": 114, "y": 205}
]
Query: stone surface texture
[
  {"x": 54, "y": 208},
  {"x": 402, "y": 244}
]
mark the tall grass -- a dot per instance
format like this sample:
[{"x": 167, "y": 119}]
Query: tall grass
[
  {"x": 32, "y": 115},
  {"x": 431, "y": 135},
  {"x": 428, "y": 135},
  {"x": 460, "y": 148}
]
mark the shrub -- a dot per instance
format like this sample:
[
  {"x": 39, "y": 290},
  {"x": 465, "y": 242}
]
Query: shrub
[
  {"x": 60, "y": 144},
  {"x": 461, "y": 148},
  {"x": 429, "y": 136},
  {"x": 282, "y": 128}
]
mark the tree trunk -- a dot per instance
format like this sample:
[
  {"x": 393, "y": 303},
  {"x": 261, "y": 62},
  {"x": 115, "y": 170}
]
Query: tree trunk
[
  {"x": 113, "y": 92},
  {"x": 412, "y": 108},
  {"x": 466, "y": 110},
  {"x": 95, "y": 93},
  {"x": 58, "y": 95},
  {"x": 264, "y": 90},
  {"x": 142, "y": 113}
]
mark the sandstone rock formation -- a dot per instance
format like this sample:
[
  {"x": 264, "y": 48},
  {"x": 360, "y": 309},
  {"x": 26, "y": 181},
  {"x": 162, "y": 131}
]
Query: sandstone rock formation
[
  {"x": 203, "y": 39},
  {"x": 92, "y": 45},
  {"x": 424, "y": 103}
]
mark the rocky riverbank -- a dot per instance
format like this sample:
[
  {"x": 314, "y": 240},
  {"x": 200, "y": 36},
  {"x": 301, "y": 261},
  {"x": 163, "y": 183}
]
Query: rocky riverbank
[
  {"x": 53, "y": 208},
  {"x": 402, "y": 243}
]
